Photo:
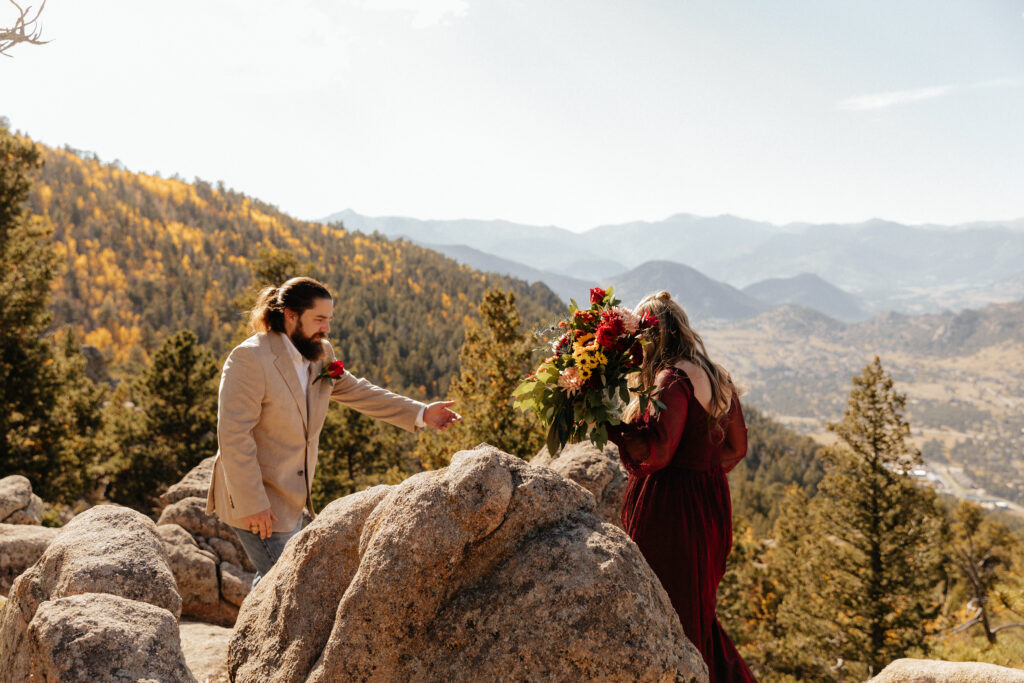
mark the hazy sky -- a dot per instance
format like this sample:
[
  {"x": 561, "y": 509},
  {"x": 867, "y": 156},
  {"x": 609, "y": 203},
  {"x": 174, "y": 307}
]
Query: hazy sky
[{"x": 567, "y": 112}]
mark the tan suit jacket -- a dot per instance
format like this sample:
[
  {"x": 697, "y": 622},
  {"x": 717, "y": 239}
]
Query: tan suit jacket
[{"x": 268, "y": 439}]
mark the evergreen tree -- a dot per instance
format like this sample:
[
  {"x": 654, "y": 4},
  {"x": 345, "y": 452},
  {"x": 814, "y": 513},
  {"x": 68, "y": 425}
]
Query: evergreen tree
[
  {"x": 78, "y": 416},
  {"x": 870, "y": 561},
  {"x": 495, "y": 356},
  {"x": 171, "y": 426},
  {"x": 29, "y": 440},
  {"x": 982, "y": 552}
]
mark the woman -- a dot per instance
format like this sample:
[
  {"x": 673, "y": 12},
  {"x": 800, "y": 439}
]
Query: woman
[{"x": 677, "y": 506}]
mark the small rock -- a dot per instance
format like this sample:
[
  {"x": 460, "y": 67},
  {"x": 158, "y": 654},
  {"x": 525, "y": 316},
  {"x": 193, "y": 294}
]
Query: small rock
[
  {"x": 938, "y": 671},
  {"x": 195, "y": 484},
  {"x": 227, "y": 552},
  {"x": 235, "y": 583},
  {"x": 598, "y": 471},
  {"x": 15, "y": 493},
  {"x": 30, "y": 514},
  {"x": 195, "y": 572},
  {"x": 97, "y": 637},
  {"x": 20, "y": 546},
  {"x": 190, "y": 514}
]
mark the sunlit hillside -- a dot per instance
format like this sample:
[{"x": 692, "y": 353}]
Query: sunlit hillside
[{"x": 146, "y": 256}]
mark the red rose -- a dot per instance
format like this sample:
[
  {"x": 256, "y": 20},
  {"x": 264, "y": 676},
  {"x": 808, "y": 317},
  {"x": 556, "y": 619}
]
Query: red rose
[
  {"x": 606, "y": 336},
  {"x": 335, "y": 369},
  {"x": 636, "y": 355},
  {"x": 648, "y": 320},
  {"x": 596, "y": 295}
]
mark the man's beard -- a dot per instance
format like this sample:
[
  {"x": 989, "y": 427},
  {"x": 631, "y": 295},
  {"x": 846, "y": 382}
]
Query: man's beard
[{"x": 310, "y": 347}]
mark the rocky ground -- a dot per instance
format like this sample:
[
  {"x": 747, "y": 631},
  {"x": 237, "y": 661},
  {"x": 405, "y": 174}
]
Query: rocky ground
[{"x": 489, "y": 569}]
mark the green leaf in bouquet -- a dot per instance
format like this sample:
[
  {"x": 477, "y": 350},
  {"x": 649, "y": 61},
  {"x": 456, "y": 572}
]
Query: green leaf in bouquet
[
  {"x": 661, "y": 406},
  {"x": 599, "y": 435},
  {"x": 552, "y": 440},
  {"x": 624, "y": 394},
  {"x": 573, "y": 307},
  {"x": 525, "y": 388}
]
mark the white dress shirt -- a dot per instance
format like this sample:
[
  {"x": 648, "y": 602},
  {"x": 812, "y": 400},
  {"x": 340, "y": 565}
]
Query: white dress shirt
[
  {"x": 301, "y": 364},
  {"x": 302, "y": 367}
]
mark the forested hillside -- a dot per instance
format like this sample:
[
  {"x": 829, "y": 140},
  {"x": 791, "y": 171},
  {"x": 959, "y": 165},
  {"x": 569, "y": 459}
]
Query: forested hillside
[{"x": 147, "y": 256}]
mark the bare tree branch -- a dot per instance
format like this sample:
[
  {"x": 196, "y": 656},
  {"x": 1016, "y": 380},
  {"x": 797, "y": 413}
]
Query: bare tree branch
[{"x": 25, "y": 29}]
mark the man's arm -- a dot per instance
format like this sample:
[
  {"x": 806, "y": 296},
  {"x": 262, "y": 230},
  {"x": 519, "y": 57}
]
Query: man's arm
[
  {"x": 377, "y": 402},
  {"x": 242, "y": 385}
]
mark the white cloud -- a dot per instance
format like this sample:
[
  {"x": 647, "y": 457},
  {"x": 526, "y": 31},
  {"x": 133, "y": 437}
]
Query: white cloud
[{"x": 883, "y": 100}]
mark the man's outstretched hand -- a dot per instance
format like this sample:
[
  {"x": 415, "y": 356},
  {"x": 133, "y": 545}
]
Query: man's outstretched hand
[{"x": 439, "y": 416}]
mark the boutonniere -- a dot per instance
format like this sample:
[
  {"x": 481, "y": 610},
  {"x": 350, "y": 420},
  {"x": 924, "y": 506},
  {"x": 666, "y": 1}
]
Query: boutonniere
[{"x": 331, "y": 372}]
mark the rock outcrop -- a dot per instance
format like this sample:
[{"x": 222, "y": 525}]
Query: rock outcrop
[
  {"x": 938, "y": 671},
  {"x": 20, "y": 546},
  {"x": 489, "y": 569},
  {"x": 18, "y": 505},
  {"x": 598, "y": 471},
  {"x": 110, "y": 559},
  {"x": 212, "y": 570}
]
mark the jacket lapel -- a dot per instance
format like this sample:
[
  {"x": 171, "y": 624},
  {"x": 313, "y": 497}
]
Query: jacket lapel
[
  {"x": 319, "y": 395},
  {"x": 284, "y": 365}
]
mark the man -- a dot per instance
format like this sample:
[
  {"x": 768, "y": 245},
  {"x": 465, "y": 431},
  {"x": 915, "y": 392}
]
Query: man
[{"x": 271, "y": 410}]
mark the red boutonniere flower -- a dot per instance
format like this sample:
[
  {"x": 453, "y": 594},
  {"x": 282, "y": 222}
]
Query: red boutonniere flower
[
  {"x": 331, "y": 372},
  {"x": 597, "y": 295}
]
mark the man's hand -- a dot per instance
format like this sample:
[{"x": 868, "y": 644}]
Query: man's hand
[
  {"x": 438, "y": 415},
  {"x": 262, "y": 523}
]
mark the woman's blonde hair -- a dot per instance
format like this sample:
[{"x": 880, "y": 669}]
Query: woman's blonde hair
[{"x": 673, "y": 340}]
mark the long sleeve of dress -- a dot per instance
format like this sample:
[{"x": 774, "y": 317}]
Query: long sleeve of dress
[
  {"x": 649, "y": 444},
  {"x": 735, "y": 436}
]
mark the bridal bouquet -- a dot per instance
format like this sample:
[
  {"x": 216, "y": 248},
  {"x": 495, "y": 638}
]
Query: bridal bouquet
[{"x": 581, "y": 388}]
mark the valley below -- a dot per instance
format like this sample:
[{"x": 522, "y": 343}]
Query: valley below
[{"x": 964, "y": 404}]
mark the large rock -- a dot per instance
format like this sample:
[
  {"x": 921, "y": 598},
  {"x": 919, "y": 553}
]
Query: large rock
[
  {"x": 489, "y": 569},
  {"x": 938, "y": 671},
  {"x": 598, "y": 471},
  {"x": 20, "y": 547},
  {"x": 100, "y": 638},
  {"x": 195, "y": 573},
  {"x": 194, "y": 484},
  {"x": 106, "y": 549},
  {"x": 15, "y": 494},
  {"x": 190, "y": 514}
]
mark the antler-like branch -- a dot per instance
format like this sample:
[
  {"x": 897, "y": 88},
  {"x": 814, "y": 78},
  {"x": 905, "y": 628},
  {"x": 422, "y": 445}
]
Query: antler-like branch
[{"x": 25, "y": 29}]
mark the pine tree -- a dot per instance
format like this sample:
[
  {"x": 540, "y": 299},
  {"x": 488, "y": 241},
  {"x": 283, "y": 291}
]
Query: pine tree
[
  {"x": 872, "y": 552},
  {"x": 29, "y": 440},
  {"x": 495, "y": 356},
  {"x": 983, "y": 552},
  {"x": 78, "y": 413},
  {"x": 172, "y": 424}
]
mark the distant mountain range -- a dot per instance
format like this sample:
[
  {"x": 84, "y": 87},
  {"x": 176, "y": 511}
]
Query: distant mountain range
[{"x": 862, "y": 269}]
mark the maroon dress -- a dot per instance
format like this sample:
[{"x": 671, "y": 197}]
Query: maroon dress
[{"x": 677, "y": 509}]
